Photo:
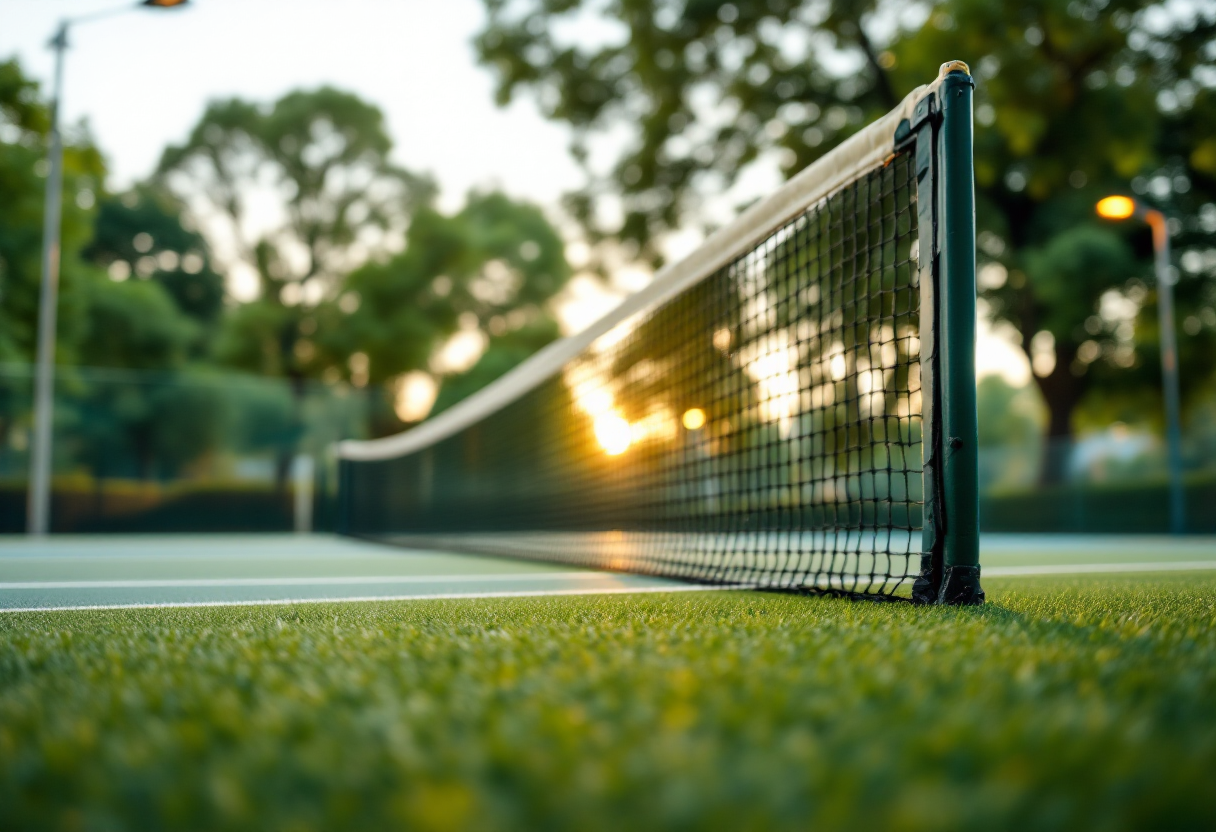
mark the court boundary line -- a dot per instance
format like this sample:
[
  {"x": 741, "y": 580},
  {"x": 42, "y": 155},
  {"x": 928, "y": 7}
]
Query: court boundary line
[
  {"x": 342, "y": 580},
  {"x": 283, "y": 602},
  {"x": 992, "y": 572},
  {"x": 1095, "y": 568}
]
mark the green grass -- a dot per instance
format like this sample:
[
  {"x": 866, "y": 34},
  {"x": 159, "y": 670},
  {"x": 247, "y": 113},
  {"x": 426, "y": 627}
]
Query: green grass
[{"x": 1063, "y": 704}]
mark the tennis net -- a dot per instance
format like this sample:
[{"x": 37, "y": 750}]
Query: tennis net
[{"x": 792, "y": 407}]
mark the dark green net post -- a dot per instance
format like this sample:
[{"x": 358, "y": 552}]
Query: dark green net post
[{"x": 941, "y": 128}]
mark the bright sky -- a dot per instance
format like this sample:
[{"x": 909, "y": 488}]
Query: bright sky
[{"x": 142, "y": 79}]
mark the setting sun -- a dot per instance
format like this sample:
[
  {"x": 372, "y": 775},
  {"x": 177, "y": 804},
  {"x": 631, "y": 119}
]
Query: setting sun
[
  {"x": 694, "y": 418},
  {"x": 613, "y": 433}
]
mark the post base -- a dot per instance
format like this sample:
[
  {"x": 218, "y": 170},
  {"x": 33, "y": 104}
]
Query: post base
[{"x": 961, "y": 586}]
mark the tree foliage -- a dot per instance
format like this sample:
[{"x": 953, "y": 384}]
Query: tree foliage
[
  {"x": 1075, "y": 98},
  {"x": 24, "y": 125},
  {"x": 503, "y": 353},
  {"x": 489, "y": 271},
  {"x": 143, "y": 234},
  {"x": 323, "y": 155}
]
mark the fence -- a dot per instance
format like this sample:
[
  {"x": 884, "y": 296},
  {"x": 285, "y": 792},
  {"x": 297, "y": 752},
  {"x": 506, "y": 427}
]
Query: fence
[
  {"x": 193, "y": 451},
  {"x": 1114, "y": 481},
  {"x": 208, "y": 451}
]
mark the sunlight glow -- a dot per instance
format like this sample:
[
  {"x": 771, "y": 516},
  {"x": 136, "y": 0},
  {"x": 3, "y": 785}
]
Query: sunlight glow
[
  {"x": 694, "y": 418},
  {"x": 613, "y": 433}
]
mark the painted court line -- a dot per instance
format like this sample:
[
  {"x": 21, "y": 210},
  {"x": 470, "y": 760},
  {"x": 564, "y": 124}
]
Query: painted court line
[
  {"x": 991, "y": 571},
  {"x": 1085, "y": 568},
  {"x": 309, "y": 581},
  {"x": 280, "y": 602}
]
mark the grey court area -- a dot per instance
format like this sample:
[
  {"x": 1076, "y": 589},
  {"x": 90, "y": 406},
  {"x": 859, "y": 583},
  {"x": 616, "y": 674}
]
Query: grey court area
[{"x": 115, "y": 571}]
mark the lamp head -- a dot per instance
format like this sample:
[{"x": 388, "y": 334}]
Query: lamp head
[
  {"x": 164, "y": 4},
  {"x": 1116, "y": 207}
]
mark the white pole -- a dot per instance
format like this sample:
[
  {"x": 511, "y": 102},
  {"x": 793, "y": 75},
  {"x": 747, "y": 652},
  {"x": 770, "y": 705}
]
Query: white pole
[
  {"x": 39, "y": 506},
  {"x": 303, "y": 474}
]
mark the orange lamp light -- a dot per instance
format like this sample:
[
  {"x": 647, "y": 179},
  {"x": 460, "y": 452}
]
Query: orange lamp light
[{"x": 1116, "y": 207}]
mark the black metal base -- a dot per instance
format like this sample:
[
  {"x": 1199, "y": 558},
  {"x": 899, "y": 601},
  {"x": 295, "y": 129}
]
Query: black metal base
[
  {"x": 924, "y": 590},
  {"x": 961, "y": 586}
]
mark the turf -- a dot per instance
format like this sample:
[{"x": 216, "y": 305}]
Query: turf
[{"x": 1063, "y": 704}]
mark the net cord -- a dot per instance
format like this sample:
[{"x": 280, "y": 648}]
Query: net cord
[{"x": 856, "y": 156}]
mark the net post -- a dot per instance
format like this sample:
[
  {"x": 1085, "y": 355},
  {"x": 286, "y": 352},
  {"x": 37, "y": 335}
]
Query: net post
[
  {"x": 918, "y": 134},
  {"x": 959, "y": 470},
  {"x": 940, "y": 132}
]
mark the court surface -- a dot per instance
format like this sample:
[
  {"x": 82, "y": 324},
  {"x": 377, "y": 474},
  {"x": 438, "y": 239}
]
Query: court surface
[{"x": 155, "y": 570}]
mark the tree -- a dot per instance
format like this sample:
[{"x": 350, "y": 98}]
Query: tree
[
  {"x": 24, "y": 127},
  {"x": 703, "y": 89},
  {"x": 135, "y": 325},
  {"x": 491, "y": 269},
  {"x": 323, "y": 156},
  {"x": 135, "y": 409},
  {"x": 143, "y": 234},
  {"x": 1009, "y": 418},
  {"x": 112, "y": 418},
  {"x": 1075, "y": 98},
  {"x": 503, "y": 353}
]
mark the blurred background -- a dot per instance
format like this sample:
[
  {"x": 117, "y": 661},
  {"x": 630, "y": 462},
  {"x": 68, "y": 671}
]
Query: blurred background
[{"x": 287, "y": 223}]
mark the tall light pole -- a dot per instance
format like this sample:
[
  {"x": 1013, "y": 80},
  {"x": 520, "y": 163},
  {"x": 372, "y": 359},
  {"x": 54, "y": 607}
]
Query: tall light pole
[
  {"x": 1121, "y": 208},
  {"x": 38, "y": 508}
]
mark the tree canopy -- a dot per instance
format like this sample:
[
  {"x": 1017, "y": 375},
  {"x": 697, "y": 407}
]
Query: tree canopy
[
  {"x": 1075, "y": 99},
  {"x": 24, "y": 124}
]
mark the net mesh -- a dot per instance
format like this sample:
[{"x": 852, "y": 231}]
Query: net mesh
[{"x": 762, "y": 428}]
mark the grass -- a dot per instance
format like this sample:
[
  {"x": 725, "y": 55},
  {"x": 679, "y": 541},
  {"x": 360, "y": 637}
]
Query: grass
[{"x": 1063, "y": 704}]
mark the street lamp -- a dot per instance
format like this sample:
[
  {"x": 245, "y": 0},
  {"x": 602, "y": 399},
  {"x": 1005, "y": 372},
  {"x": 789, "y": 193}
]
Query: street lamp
[
  {"x": 1121, "y": 208},
  {"x": 39, "y": 505}
]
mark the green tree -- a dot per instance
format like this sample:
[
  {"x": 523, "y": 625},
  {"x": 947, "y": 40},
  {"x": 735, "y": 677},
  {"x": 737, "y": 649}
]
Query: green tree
[
  {"x": 503, "y": 353},
  {"x": 324, "y": 156},
  {"x": 702, "y": 89},
  {"x": 1074, "y": 101},
  {"x": 134, "y": 410},
  {"x": 111, "y": 419},
  {"x": 1009, "y": 416},
  {"x": 24, "y": 126},
  {"x": 1075, "y": 98},
  {"x": 135, "y": 325},
  {"x": 491, "y": 269},
  {"x": 143, "y": 234}
]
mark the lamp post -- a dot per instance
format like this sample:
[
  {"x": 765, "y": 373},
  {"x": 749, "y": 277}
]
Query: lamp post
[
  {"x": 1121, "y": 208},
  {"x": 38, "y": 509}
]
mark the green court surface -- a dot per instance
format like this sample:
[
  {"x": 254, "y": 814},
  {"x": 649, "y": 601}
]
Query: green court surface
[{"x": 109, "y": 571}]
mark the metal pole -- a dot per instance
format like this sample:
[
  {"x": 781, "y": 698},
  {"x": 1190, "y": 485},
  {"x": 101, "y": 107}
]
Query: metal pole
[
  {"x": 39, "y": 505},
  {"x": 1169, "y": 368}
]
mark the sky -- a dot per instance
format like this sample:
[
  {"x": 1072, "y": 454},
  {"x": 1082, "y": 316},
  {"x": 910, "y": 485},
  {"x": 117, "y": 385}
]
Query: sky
[{"x": 141, "y": 80}]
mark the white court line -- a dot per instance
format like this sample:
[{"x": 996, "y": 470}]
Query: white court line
[
  {"x": 310, "y": 581},
  {"x": 1086, "y": 568},
  {"x": 992, "y": 572},
  {"x": 279, "y": 602}
]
